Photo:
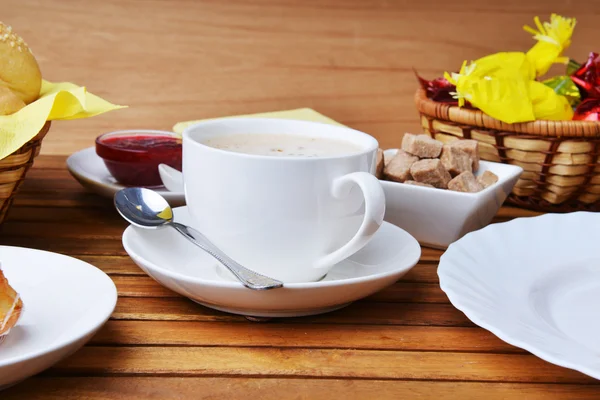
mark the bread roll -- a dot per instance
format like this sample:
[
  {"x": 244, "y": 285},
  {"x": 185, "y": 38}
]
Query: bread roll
[
  {"x": 10, "y": 103},
  {"x": 19, "y": 70}
]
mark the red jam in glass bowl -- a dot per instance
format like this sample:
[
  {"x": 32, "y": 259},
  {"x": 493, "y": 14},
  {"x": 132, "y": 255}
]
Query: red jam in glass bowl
[{"x": 132, "y": 157}]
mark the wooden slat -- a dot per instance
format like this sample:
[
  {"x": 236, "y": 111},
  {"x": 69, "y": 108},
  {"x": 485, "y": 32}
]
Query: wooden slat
[
  {"x": 167, "y": 309},
  {"x": 422, "y": 272},
  {"x": 230, "y": 388},
  {"x": 83, "y": 215},
  {"x": 105, "y": 246},
  {"x": 380, "y": 364},
  {"x": 46, "y": 162},
  {"x": 410, "y": 292},
  {"x": 54, "y": 178},
  {"x": 69, "y": 246},
  {"x": 139, "y": 286},
  {"x": 51, "y": 169},
  {"x": 123, "y": 265},
  {"x": 430, "y": 255},
  {"x": 61, "y": 199},
  {"x": 301, "y": 335},
  {"x": 114, "y": 265},
  {"x": 180, "y": 309},
  {"x": 102, "y": 229},
  {"x": 514, "y": 212}
]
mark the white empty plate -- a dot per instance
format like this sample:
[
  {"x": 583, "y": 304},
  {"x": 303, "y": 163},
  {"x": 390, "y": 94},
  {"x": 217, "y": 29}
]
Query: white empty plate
[
  {"x": 177, "y": 264},
  {"x": 65, "y": 302},
  {"x": 534, "y": 283},
  {"x": 89, "y": 169}
]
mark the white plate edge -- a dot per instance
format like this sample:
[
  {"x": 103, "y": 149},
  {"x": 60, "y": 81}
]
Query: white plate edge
[
  {"x": 68, "y": 341},
  {"x": 475, "y": 317}
]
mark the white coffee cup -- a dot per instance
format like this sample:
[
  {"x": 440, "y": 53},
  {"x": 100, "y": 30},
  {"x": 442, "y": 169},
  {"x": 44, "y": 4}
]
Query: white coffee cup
[{"x": 290, "y": 218}]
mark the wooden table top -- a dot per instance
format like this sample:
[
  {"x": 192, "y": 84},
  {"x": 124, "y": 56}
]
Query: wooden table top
[
  {"x": 351, "y": 60},
  {"x": 406, "y": 341}
]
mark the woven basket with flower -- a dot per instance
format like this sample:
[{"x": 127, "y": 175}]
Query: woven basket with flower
[
  {"x": 27, "y": 105},
  {"x": 548, "y": 127}
]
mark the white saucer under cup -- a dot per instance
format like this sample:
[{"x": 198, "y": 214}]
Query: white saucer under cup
[
  {"x": 291, "y": 218},
  {"x": 534, "y": 283},
  {"x": 182, "y": 267}
]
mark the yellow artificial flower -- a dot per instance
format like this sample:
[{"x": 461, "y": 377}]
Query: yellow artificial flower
[
  {"x": 564, "y": 86},
  {"x": 507, "y": 65},
  {"x": 553, "y": 38},
  {"x": 454, "y": 77},
  {"x": 547, "y": 104},
  {"x": 503, "y": 96},
  {"x": 503, "y": 85}
]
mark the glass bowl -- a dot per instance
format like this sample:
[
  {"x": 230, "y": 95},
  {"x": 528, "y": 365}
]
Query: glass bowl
[{"x": 132, "y": 156}]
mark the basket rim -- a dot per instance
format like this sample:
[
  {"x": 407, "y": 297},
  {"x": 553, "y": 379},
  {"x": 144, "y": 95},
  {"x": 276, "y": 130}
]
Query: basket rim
[{"x": 477, "y": 118}]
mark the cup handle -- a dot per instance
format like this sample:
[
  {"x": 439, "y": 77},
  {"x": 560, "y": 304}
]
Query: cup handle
[
  {"x": 374, "y": 213},
  {"x": 171, "y": 178}
]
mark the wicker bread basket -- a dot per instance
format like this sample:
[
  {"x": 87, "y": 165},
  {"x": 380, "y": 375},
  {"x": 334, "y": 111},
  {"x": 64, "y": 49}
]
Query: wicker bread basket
[
  {"x": 14, "y": 167},
  {"x": 559, "y": 158}
]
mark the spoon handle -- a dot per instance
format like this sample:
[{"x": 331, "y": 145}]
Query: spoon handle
[{"x": 248, "y": 278}]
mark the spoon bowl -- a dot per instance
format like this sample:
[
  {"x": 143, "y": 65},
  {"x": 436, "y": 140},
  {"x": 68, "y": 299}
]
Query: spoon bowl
[{"x": 144, "y": 208}]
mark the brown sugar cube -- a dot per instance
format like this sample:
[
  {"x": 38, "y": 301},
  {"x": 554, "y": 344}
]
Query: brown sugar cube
[
  {"x": 456, "y": 160},
  {"x": 387, "y": 158},
  {"x": 432, "y": 172},
  {"x": 487, "y": 179},
  {"x": 465, "y": 182},
  {"x": 398, "y": 169},
  {"x": 415, "y": 183},
  {"x": 422, "y": 146},
  {"x": 379, "y": 164},
  {"x": 472, "y": 148}
]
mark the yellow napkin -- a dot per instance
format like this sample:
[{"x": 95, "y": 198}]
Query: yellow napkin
[
  {"x": 302, "y": 114},
  {"x": 58, "y": 101}
]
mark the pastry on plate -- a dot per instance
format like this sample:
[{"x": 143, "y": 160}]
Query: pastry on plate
[{"x": 11, "y": 306}]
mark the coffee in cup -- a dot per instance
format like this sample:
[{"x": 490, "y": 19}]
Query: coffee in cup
[{"x": 280, "y": 145}]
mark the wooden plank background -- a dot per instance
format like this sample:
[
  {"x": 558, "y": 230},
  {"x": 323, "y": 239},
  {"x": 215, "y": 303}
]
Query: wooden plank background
[{"x": 174, "y": 60}]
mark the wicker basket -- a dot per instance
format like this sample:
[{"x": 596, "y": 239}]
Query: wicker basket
[
  {"x": 14, "y": 167},
  {"x": 559, "y": 158}
]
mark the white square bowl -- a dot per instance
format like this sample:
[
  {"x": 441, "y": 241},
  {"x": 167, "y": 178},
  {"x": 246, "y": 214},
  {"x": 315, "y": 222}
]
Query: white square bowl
[{"x": 438, "y": 217}]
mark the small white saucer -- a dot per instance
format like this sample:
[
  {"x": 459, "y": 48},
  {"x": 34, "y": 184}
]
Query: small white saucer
[
  {"x": 65, "y": 302},
  {"x": 534, "y": 283},
  {"x": 90, "y": 171},
  {"x": 182, "y": 267}
]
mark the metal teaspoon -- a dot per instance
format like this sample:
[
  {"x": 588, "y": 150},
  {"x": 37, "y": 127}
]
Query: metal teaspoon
[{"x": 146, "y": 208}]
